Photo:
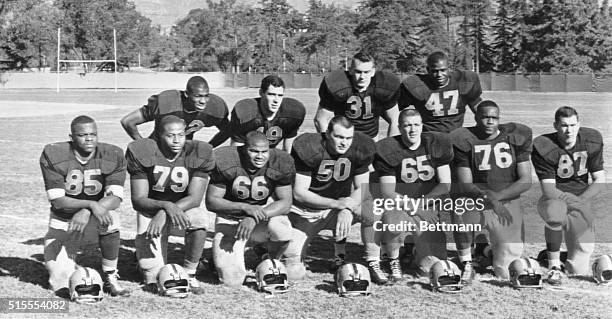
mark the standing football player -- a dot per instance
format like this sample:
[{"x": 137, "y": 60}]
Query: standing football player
[
  {"x": 250, "y": 190},
  {"x": 493, "y": 168},
  {"x": 84, "y": 183},
  {"x": 168, "y": 180},
  {"x": 441, "y": 95},
  {"x": 362, "y": 94},
  {"x": 278, "y": 117},
  {"x": 416, "y": 165},
  {"x": 196, "y": 106},
  {"x": 563, "y": 161},
  {"x": 332, "y": 169}
]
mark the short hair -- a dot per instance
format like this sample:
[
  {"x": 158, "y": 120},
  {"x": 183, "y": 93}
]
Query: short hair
[
  {"x": 486, "y": 103},
  {"x": 363, "y": 57},
  {"x": 565, "y": 111},
  {"x": 409, "y": 112},
  {"x": 81, "y": 119},
  {"x": 340, "y": 120},
  {"x": 273, "y": 80},
  {"x": 435, "y": 57},
  {"x": 256, "y": 136},
  {"x": 196, "y": 82},
  {"x": 169, "y": 119}
]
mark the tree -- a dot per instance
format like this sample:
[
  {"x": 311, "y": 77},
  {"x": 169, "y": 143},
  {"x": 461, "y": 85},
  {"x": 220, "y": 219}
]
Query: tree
[
  {"x": 473, "y": 35},
  {"x": 509, "y": 33}
]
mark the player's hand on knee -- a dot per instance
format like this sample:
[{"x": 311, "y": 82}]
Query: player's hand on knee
[
  {"x": 178, "y": 218},
  {"x": 78, "y": 222},
  {"x": 156, "y": 225},
  {"x": 343, "y": 225},
  {"x": 245, "y": 228},
  {"x": 582, "y": 209},
  {"x": 505, "y": 218},
  {"x": 101, "y": 213},
  {"x": 256, "y": 212}
]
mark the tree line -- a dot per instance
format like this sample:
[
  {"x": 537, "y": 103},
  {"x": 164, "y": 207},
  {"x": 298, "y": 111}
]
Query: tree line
[{"x": 487, "y": 35}]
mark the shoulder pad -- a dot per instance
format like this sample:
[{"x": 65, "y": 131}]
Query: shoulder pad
[
  {"x": 293, "y": 108},
  {"x": 246, "y": 110},
  {"x": 518, "y": 134},
  {"x": 170, "y": 98},
  {"x": 197, "y": 153},
  {"x": 226, "y": 158},
  {"x": 465, "y": 80},
  {"x": 339, "y": 85},
  {"x": 438, "y": 146},
  {"x": 280, "y": 165},
  {"x": 387, "y": 150},
  {"x": 461, "y": 137},
  {"x": 591, "y": 136},
  {"x": 57, "y": 152},
  {"x": 216, "y": 107},
  {"x": 544, "y": 145},
  {"x": 309, "y": 148},
  {"x": 144, "y": 151},
  {"x": 417, "y": 87},
  {"x": 385, "y": 85},
  {"x": 364, "y": 147}
]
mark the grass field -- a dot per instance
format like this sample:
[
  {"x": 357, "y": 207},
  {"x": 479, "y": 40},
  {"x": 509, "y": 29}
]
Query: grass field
[{"x": 29, "y": 119}]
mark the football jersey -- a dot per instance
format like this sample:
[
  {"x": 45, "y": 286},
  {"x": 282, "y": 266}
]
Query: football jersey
[
  {"x": 414, "y": 170},
  {"x": 168, "y": 179},
  {"x": 247, "y": 117},
  {"x": 332, "y": 175},
  {"x": 363, "y": 109},
  {"x": 65, "y": 175},
  {"x": 569, "y": 168},
  {"x": 250, "y": 187},
  {"x": 492, "y": 162},
  {"x": 442, "y": 108},
  {"x": 171, "y": 103}
]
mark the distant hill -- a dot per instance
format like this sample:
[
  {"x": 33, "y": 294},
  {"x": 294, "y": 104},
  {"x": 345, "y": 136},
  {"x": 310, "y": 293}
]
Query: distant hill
[{"x": 166, "y": 12}]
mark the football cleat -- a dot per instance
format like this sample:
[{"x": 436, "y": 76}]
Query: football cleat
[
  {"x": 445, "y": 276},
  {"x": 353, "y": 280},
  {"x": 468, "y": 274},
  {"x": 396, "y": 269},
  {"x": 554, "y": 276},
  {"x": 543, "y": 257},
  {"x": 112, "y": 286},
  {"x": 85, "y": 286},
  {"x": 173, "y": 281},
  {"x": 194, "y": 285},
  {"x": 271, "y": 276},
  {"x": 525, "y": 273},
  {"x": 602, "y": 270},
  {"x": 378, "y": 275}
]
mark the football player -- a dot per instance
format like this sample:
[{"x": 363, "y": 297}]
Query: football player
[
  {"x": 278, "y": 117},
  {"x": 195, "y": 105},
  {"x": 440, "y": 95},
  {"x": 84, "y": 183},
  {"x": 332, "y": 169},
  {"x": 362, "y": 95},
  {"x": 241, "y": 192},
  {"x": 168, "y": 180},
  {"x": 416, "y": 165},
  {"x": 493, "y": 169},
  {"x": 563, "y": 161}
]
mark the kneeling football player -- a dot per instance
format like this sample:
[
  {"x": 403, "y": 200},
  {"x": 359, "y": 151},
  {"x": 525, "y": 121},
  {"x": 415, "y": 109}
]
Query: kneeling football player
[
  {"x": 84, "y": 182},
  {"x": 493, "y": 168},
  {"x": 168, "y": 181},
  {"x": 250, "y": 191},
  {"x": 332, "y": 172}
]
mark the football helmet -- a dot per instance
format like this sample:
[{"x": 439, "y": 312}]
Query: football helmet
[
  {"x": 271, "y": 276},
  {"x": 85, "y": 286},
  {"x": 353, "y": 280},
  {"x": 445, "y": 276},
  {"x": 602, "y": 270},
  {"x": 525, "y": 273},
  {"x": 173, "y": 281}
]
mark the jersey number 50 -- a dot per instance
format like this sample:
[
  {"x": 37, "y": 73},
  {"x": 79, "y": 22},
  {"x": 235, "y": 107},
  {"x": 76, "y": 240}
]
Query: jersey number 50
[
  {"x": 339, "y": 170},
  {"x": 243, "y": 188}
]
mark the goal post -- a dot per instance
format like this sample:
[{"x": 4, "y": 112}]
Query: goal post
[{"x": 84, "y": 62}]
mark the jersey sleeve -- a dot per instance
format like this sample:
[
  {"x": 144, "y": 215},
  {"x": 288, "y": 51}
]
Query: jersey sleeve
[
  {"x": 115, "y": 179},
  {"x": 440, "y": 148},
  {"x": 474, "y": 93},
  {"x": 200, "y": 158},
  {"x": 298, "y": 113},
  {"x": 544, "y": 168},
  {"x": 387, "y": 89},
  {"x": 326, "y": 98},
  {"x": 134, "y": 166},
  {"x": 364, "y": 152},
  {"x": 281, "y": 168},
  {"x": 150, "y": 111},
  {"x": 236, "y": 128},
  {"x": 53, "y": 179},
  {"x": 382, "y": 167},
  {"x": 595, "y": 147},
  {"x": 461, "y": 147}
]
